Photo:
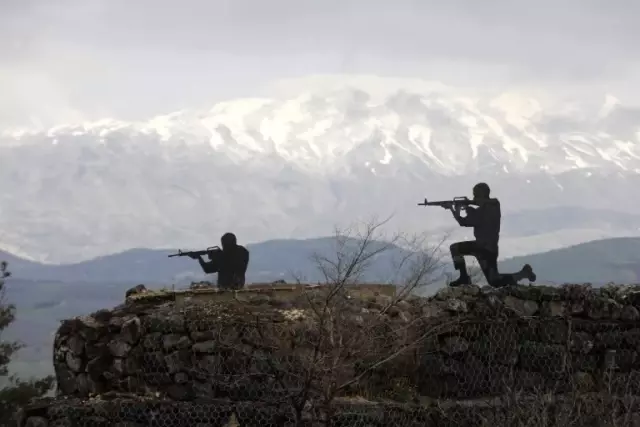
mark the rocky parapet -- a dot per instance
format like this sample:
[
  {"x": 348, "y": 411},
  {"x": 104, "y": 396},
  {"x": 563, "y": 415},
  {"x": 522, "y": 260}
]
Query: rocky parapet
[
  {"x": 531, "y": 339},
  {"x": 462, "y": 343},
  {"x": 240, "y": 346}
]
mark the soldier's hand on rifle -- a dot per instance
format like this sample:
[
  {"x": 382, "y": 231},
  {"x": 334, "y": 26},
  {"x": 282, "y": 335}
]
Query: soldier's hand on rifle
[{"x": 194, "y": 256}]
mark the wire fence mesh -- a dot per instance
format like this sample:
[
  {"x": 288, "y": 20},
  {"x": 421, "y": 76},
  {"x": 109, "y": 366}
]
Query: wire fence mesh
[{"x": 475, "y": 361}]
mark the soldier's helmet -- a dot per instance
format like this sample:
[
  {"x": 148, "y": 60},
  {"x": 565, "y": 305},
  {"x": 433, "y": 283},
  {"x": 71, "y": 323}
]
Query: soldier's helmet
[
  {"x": 481, "y": 189},
  {"x": 228, "y": 240}
]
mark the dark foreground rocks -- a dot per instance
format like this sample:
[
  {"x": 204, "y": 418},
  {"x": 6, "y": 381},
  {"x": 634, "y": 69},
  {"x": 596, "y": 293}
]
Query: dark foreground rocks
[
  {"x": 134, "y": 411},
  {"x": 195, "y": 349}
]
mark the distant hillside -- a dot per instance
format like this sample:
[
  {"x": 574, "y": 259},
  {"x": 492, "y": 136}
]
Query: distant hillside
[
  {"x": 270, "y": 260},
  {"x": 600, "y": 261}
]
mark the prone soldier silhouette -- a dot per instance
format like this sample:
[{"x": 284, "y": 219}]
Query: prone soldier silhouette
[
  {"x": 485, "y": 220},
  {"x": 230, "y": 263}
]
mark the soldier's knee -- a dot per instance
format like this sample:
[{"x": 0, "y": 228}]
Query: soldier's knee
[{"x": 454, "y": 248}]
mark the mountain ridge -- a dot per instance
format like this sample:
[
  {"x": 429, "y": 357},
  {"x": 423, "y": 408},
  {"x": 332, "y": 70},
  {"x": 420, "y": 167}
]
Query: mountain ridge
[{"x": 292, "y": 167}]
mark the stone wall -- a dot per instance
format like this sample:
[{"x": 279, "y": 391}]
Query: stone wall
[
  {"x": 206, "y": 345},
  {"x": 532, "y": 339},
  {"x": 461, "y": 345},
  {"x": 470, "y": 343}
]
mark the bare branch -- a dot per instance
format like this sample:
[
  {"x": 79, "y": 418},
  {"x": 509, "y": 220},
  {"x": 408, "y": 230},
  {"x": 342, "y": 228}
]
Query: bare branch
[
  {"x": 429, "y": 333},
  {"x": 355, "y": 250}
]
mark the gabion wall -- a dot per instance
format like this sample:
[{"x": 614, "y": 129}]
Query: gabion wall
[{"x": 274, "y": 362}]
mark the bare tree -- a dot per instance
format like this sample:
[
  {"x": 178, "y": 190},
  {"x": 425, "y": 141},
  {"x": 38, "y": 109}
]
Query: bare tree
[{"x": 343, "y": 340}]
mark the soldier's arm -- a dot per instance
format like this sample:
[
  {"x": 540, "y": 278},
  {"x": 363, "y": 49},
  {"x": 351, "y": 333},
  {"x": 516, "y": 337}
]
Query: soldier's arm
[
  {"x": 466, "y": 221},
  {"x": 207, "y": 267}
]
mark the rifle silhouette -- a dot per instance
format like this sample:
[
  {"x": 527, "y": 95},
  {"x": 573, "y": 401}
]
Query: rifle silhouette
[
  {"x": 463, "y": 202},
  {"x": 209, "y": 251}
]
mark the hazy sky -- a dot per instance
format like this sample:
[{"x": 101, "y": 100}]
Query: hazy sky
[{"x": 62, "y": 60}]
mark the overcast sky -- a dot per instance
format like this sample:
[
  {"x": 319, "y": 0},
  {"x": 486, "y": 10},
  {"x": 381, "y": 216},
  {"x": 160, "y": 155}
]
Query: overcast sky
[{"x": 62, "y": 60}]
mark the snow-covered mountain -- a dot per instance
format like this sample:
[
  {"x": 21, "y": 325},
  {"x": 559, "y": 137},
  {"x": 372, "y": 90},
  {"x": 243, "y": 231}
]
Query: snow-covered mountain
[{"x": 296, "y": 166}]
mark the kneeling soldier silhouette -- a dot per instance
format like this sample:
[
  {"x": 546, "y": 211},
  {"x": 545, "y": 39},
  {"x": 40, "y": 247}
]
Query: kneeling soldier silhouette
[{"x": 485, "y": 220}]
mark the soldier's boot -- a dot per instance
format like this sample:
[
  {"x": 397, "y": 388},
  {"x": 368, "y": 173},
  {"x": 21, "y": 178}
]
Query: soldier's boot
[
  {"x": 525, "y": 273},
  {"x": 464, "y": 279},
  {"x": 528, "y": 273}
]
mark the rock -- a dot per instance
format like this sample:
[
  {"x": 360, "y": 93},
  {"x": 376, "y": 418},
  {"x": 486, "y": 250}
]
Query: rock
[
  {"x": 457, "y": 306},
  {"x": 36, "y": 422},
  {"x": 103, "y": 315},
  {"x": 210, "y": 364},
  {"x": 177, "y": 360},
  {"x": 634, "y": 419},
  {"x": 626, "y": 360},
  {"x": 178, "y": 391},
  {"x": 432, "y": 310},
  {"x": 576, "y": 308},
  {"x": 98, "y": 365},
  {"x": 552, "y": 309},
  {"x": 93, "y": 349},
  {"x": 76, "y": 345},
  {"x": 554, "y": 332},
  {"x": 457, "y": 292},
  {"x": 629, "y": 313},
  {"x": 175, "y": 341},
  {"x": 152, "y": 341},
  {"x": 633, "y": 298},
  {"x": 259, "y": 299},
  {"x": 118, "y": 367},
  {"x": 83, "y": 384},
  {"x": 130, "y": 332},
  {"x": 66, "y": 380},
  {"x": 609, "y": 360},
  {"x": 582, "y": 342},
  {"x": 205, "y": 347},
  {"x": 202, "y": 285},
  {"x": 404, "y": 305},
  {"x": 453, "y": 345},
  {"x": 203, "y": 389},
  {"x": 199, "y": 336},
  {"x": 548, "y": 359},
  {"x": 632, "y": 337},
  {"x": 155, "y": 362},
  {"x": 115, "y": 324},
  {"x": 166, "y": 324},
  {"x": 603, "y": 309},
  {"x": 74, "y": 362},
  {"x": 119, "y": 348},
  {"x": 522, "y": 307},
  {"x": 180, "y": 378},
  {"x": 614, "y": 309},
  {"x": 89, "y": 328},
  {"x": 96, "y": 421},
  {"x": 135, "y": 291},
  {"x": 132, "y": 364}
]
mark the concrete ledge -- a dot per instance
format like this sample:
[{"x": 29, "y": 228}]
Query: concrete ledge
[{"x": 277, "y": 291}]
